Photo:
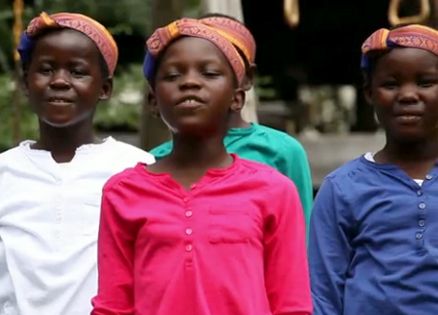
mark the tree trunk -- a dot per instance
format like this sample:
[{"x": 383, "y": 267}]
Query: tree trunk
[{"x": 152, "y": 130}]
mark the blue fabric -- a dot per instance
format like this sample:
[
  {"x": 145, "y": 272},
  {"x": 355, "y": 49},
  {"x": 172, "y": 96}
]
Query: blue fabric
[
  {"x": 25, "y": 47},
  {"x": 373, "y": 245},
  {"x": 148, "y": 67}
]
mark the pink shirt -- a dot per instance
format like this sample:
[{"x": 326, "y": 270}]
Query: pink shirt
[{"x": 234, "y": 244}]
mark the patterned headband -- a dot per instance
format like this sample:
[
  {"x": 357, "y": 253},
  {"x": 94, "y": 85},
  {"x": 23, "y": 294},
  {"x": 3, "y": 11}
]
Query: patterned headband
[
  {"x": 236, "y": 33},
  {"x": 412, "y": 36},
  {"x": 84, "y": 24},
  {"x": 163, "y": 36}
]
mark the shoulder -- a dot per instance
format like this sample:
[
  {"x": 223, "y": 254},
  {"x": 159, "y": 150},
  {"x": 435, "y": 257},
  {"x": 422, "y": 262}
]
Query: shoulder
[
  {"x": 266, "y": 175},
  {"x": 130, "y": 153},
  {"x": 129, "y": 175},
  {"x": 280, "y": 139},
  {"x": 11, "y": 155},
  {"x": 353, "y": 175}
]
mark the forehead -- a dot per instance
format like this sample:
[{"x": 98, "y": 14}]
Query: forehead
[
  {"x": 193, "y": 49},
  {"x": 67, "y": 41},
  {"x": 407, "y": 60}
]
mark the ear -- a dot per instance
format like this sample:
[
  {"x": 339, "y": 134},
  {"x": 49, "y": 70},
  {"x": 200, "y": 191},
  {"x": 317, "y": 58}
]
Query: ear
[
  {"x": 152, "y": 101},
  {"x": 25, "y": 86},
  {"x": 107, "y": 89},
  {"x": 238, "y": 100},
  {"x": 368, "y": 93},
  {"x": 248, "y": 81}
]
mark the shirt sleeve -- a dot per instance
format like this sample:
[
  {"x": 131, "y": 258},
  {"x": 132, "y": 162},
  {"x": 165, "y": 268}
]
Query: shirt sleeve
[
  {"x": 115, "y": 260},
  {"x": 286, "y": 269},
  {"x": 329, "y": 250},
  {"x": 295, "y": 165}
]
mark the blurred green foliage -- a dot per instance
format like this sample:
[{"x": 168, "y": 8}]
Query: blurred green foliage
[
  {"x": 123, "y": 110},
  {"x": 125, "y": 19}
]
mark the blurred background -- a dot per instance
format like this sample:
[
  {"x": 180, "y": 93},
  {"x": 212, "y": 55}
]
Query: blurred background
[{"x": 308, "y": 81}]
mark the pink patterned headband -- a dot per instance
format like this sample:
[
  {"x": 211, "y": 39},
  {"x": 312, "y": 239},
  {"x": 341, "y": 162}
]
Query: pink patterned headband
[
  {"x": 84, "y": 24},
  {"x": 163, "y": 36},
  {"x": 412, "y": 36}
]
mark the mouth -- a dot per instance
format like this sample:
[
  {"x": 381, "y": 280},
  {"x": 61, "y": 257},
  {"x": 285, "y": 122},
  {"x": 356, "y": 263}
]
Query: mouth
[
  {"x": 408, "y": 118},
  {"x": 58, "y": 101},
  {"x": 190, "y": 102}
]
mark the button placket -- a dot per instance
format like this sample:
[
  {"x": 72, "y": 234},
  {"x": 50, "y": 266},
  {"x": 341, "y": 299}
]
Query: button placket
[{"x": 421, "y": 218}]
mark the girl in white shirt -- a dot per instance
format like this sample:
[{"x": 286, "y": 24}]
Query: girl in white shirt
[{"x": 50, "y": 189}]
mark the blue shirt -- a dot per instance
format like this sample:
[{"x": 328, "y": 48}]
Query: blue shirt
[{"x": 373, "y": 245}]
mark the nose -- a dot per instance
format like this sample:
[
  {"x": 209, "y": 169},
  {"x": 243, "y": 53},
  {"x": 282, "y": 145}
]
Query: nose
[
  {"x": 60, "y": 79},
  {"x": 191, "y": 80},
  {"x": 408, "y": 93}
]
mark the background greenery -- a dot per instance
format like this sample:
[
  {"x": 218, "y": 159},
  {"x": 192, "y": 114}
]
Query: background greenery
[{"x": 129, "y": 21}]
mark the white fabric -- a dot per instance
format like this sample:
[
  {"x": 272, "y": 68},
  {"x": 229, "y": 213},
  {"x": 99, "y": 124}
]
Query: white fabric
[{"x": 49, "y": 215}]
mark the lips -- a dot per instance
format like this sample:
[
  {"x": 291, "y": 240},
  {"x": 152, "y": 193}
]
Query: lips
[
  {"x": 191, "y": 101},
  {"x": 59, "y": 101},
  {"x": 408, "y": 117}
]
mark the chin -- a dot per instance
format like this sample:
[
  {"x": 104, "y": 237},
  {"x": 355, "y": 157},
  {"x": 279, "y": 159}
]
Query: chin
[{"x": 59, "y": 122}]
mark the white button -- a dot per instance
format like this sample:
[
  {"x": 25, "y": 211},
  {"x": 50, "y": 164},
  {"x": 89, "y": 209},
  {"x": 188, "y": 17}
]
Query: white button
[
  {"x": 189, "y": 231},
  {"x": 189, "y": 247},
  {"x": 428, "y": 176},
  {"x": 419, "y": 236},
  {"x": 188, "y": 213},
  {"x": 422, "y": 205}
]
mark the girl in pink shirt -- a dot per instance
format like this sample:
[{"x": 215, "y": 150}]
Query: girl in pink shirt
[{"x": 201, "y": 232}]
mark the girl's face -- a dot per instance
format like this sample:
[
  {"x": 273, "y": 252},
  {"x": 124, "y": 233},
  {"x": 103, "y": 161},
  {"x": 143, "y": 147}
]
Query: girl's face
[
  {"x": 64, "y": 80},
  {"x": 404, "y": 92},
  {"x": 195, "y": 88}
]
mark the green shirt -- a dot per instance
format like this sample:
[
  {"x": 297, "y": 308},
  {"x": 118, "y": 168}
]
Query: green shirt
[{"x": 268, "y": 146}]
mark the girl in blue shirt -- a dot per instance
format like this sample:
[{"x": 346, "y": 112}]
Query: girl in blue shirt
[{"x": 373, "y": 245}]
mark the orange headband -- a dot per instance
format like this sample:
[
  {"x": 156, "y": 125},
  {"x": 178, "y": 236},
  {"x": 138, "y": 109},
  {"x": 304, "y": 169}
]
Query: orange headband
[
  {"x": 236, "y": 33},
  {"x": 84, "y": 24},
  {"x": 412, "y": 36},
  {"x": 163, "y": 36}
]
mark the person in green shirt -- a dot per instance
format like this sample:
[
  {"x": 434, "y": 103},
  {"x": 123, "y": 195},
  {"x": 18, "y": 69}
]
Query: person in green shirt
[{"x": 254, "y": 141}]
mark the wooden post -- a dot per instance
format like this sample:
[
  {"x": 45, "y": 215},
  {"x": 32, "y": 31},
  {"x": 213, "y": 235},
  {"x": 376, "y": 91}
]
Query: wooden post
[
  {"x": 16, "y": 100},
  {"x": 152, "y": 130}
]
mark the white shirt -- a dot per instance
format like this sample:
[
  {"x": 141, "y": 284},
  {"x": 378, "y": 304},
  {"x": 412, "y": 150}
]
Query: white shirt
[{"x": 49, "y": 217}]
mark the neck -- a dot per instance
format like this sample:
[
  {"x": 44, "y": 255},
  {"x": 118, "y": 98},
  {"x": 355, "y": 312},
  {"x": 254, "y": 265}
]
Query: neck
[
  {"x": 236, "y": 121},
  {"x": 415, "y": 158},
  {"x": 199, "y": 153},
  {"x": 63, "y": 142}
]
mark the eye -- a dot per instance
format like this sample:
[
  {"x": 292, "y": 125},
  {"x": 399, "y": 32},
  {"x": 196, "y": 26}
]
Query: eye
[
  {"x": 389, "y": 84},
  {"x": 170, "y": 76},
  {"x": 211, "y": 73},
  {"x": 78, "y": 73},
  {"x": 427, "y": 82},
  {"x": 45, "y": 69}
]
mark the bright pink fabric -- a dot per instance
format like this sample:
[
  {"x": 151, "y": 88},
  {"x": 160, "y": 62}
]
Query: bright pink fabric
[{"x": 234, "y": 244}]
